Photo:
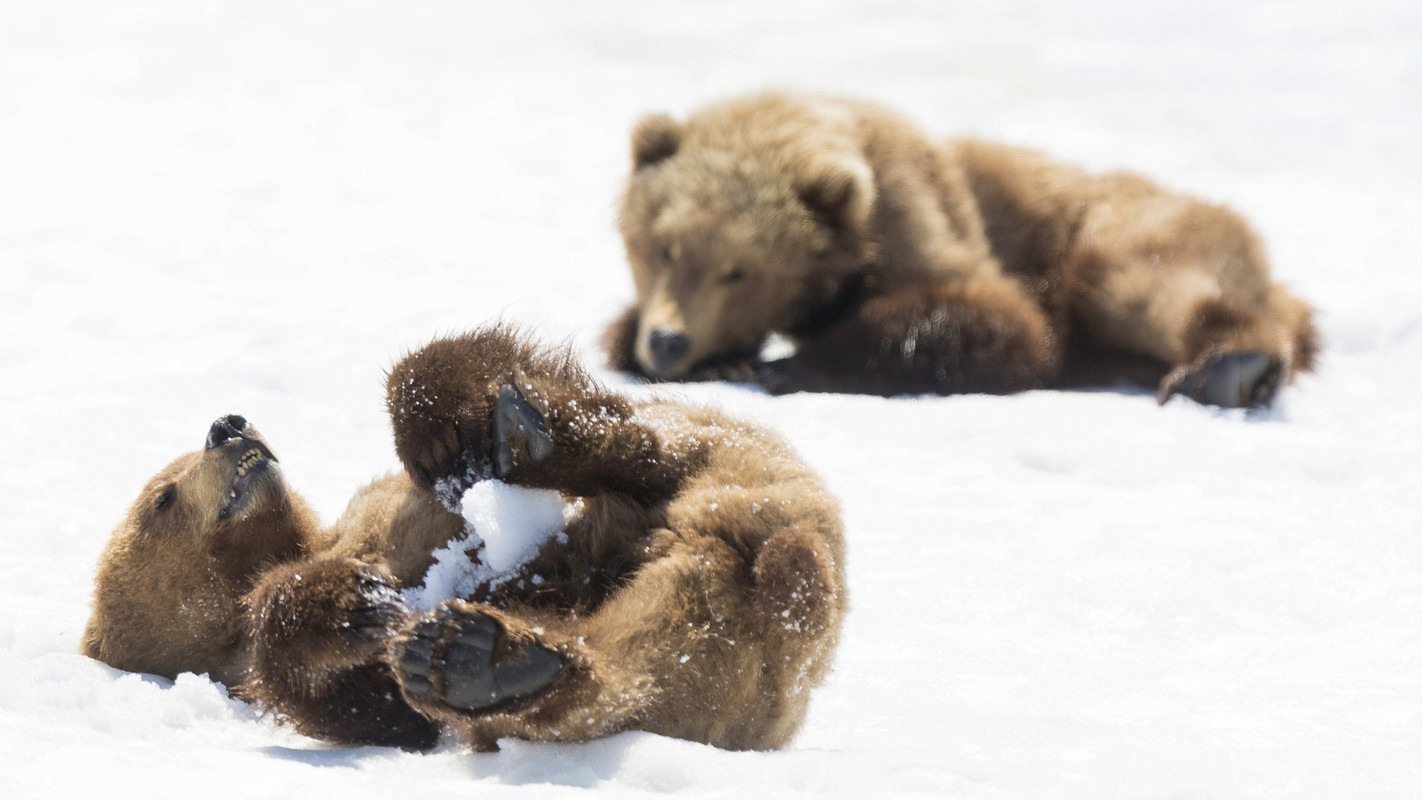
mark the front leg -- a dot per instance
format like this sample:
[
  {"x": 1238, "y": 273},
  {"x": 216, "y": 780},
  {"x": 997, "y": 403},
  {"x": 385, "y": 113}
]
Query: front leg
[
  {"x": 319, "y": 629},
  {"x": 985, "y": 336},
  {"x": 491, "y": 405}
]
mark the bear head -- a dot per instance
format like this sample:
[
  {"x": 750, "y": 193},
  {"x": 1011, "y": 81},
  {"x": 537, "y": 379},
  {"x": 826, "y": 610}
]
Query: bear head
[
  {"x": 168, "y": 595},
  {"x": 730, "y": 240}
]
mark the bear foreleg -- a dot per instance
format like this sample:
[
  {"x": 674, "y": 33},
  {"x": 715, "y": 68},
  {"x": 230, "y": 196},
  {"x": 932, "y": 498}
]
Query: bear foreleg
[
  {"x": 951, "y": 338},
  {"x": 619, "y": 341},
  {"x": 319, "y": 629}
]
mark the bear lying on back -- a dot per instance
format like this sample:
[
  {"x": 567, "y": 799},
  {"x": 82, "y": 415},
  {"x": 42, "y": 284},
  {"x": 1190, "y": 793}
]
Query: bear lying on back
[
  {"x": 899, "y": 263},
  {"x": 698, "y": 594}
]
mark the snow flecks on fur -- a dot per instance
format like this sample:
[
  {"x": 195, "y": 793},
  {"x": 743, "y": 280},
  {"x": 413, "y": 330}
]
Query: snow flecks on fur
[
  {"x": 449, "y": 491},
  {"x": 681, "y": 433}
]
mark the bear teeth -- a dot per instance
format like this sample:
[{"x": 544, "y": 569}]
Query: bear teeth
[{"x": 248, "y": 459}]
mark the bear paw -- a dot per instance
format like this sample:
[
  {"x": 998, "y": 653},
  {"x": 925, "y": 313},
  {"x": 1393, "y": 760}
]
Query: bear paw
[
  {"x": 1245, "y": 379},
  {"x": 776, "y": 377},
  {"x": 465, "y": 660},
  {"x": 519, "y": 433},
  {"x": 323, "y": 615},
  {"x": 453, "y": 459}
]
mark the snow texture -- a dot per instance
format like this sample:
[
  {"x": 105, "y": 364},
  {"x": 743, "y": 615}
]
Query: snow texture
[
  {"x": 503, "y": 528},
  {"x": 255, "y": 207}
]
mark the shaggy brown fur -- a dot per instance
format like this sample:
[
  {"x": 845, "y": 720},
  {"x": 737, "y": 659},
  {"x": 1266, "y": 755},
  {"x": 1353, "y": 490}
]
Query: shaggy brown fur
[
  {"x": 698, "y": 594},
  {"x": 899, "y": 263}
]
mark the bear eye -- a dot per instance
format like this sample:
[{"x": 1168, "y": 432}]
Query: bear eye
[
  {"x": 666, "y": 254},
  {"x": 734, "y": 275},
  {"x": 165, "y": 498}
]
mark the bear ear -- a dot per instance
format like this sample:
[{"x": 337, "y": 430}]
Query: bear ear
[
  {"x": 165, "y": 497},
  {"x": 838, "y": 196},
  {"x": 656, "y": 138}
]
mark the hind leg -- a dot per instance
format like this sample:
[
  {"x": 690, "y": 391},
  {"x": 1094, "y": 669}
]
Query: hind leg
[
  {"x": 1185, "y": 283},
  {"x": 697, "y": 645},
  {"x": 490, "y": 673},
  {"x": 1234, "y": 358},
  {"x": 1216, "y": 350}
]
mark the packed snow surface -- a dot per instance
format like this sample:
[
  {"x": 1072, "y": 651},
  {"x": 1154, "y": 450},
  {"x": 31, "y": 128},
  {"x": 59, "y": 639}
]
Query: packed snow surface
[{"x": 255, "y": 207}]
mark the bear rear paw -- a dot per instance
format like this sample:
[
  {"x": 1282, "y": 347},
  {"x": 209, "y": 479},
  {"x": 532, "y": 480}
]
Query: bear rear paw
[
  {"x": 462, "y": 658},
  {"x": 1244, "y": 379}
]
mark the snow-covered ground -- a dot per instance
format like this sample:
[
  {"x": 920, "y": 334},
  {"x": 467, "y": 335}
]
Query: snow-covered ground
[{"x": 254, "y": 207}]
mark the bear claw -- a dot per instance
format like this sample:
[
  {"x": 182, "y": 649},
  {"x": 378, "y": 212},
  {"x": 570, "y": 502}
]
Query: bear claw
[
  {"x": 1246, "y": 379},
  {"x": 417, "y": 659},
  {"x": 519, "y": 432},
  {"x": 381, "y": 608},
  {"x": 475, "y": 674},
  {"x": 374, "y": 623}
]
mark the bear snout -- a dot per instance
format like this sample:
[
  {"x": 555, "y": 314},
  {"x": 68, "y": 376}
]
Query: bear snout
[
  {"x": 668, "y": 348},
  {"x": 225, "y": 428}
]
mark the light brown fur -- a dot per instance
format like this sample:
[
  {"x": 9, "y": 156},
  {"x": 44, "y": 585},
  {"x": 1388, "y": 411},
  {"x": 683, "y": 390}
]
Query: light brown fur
[
  {"x": 169, "y": 589},
  {"x": 897, "y": 262},
  {"x": 698, "y": 594}
]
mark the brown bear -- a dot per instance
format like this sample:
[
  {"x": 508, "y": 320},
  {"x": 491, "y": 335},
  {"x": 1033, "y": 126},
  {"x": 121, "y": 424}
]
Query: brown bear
[
  {"x": 697, "y": 593},
  {"x": 895, "y": 262}
]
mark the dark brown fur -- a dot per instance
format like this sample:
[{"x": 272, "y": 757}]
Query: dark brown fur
[
  {"x": 898, "y": 263},
  {"x": 698, "y": 594}
]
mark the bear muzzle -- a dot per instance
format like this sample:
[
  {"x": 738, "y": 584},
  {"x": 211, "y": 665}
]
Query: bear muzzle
[{"x": 667, "y": 349}]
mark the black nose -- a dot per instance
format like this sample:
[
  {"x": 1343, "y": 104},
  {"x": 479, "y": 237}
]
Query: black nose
[
  {"x": 668, "y": 346},
  {"x": 228, "y": 427}
]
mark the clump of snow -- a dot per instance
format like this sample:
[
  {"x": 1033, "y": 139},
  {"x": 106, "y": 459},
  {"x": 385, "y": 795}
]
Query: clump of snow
[{"x": 504, "y": 526}]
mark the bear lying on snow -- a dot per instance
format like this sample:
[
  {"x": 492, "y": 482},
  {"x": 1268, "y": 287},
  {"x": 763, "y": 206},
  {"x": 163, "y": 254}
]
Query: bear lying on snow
[
  {"x": 899, "y": 263},
  {"x": 698, "y": 594}
]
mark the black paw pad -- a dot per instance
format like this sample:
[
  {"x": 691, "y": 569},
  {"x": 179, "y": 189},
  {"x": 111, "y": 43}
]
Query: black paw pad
[
  {"x": 1247, "y": 379},
  {"x": 417, "y": 660},
  {"x": 464, "y": 662},
  {"x": 474, "y": 679},
  {"x": 519, "y": 432}
]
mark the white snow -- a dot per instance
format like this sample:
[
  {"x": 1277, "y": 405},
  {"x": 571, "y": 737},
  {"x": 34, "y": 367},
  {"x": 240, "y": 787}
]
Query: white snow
[
  {"x": 216, "y": 207},
  {"x": 504, "y": 525}
]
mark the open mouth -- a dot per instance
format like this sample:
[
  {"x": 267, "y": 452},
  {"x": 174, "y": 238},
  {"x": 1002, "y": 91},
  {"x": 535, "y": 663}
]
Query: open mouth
[{"x": 255, "y": 470}]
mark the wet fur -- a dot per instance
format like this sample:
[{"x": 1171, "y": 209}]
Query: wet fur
[{"x": 901, "y": 263}]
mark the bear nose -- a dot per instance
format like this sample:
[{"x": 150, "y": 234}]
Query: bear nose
[
  {"x": 228, "y": 427},
  {"x": 668, "y": 347}
]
